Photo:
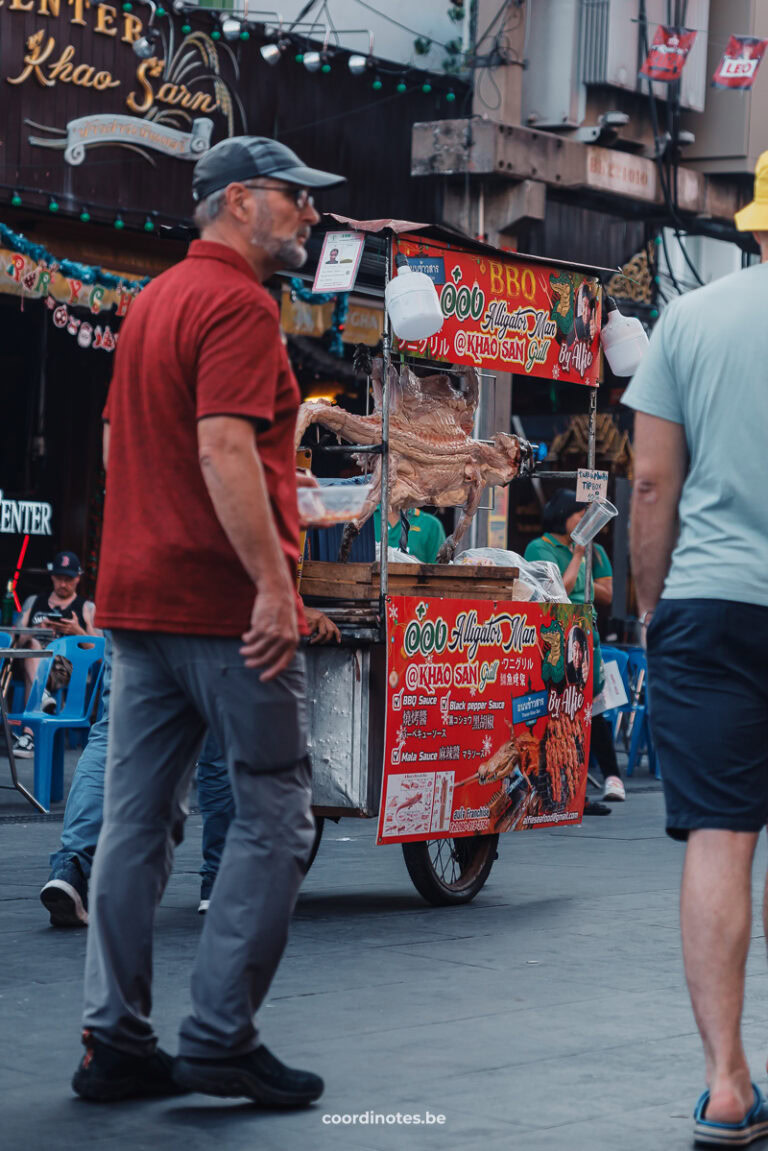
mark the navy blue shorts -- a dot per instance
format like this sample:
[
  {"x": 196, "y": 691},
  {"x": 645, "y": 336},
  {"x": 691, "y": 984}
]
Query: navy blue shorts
[{"x": 708, "y": 680}]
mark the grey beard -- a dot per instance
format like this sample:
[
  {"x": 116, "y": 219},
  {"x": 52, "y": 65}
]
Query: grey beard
[{"x": 287, "y": 254}]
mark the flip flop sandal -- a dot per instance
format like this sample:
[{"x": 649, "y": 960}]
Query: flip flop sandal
[{"x": 754, "y": 1125}]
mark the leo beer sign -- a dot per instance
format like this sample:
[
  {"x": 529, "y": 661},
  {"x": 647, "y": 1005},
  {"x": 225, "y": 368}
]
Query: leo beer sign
[{"x": 739, "y": 63}]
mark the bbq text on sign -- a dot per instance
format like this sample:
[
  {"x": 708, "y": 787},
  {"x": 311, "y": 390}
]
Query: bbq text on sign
[
  {"x": 509, "y": 315},
  {"x": 24, "y": 517}
]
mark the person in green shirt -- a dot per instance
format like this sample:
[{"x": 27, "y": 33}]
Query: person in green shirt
[
  {"x": 559, "y": 518},
  {"x": 425, "y": 537}
]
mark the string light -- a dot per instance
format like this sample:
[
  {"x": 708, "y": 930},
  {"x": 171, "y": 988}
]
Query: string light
[
  {"x": 52, "y": 205},
  {"x": 326, "y": 68},
  {"x": 186, "y": 29},
  {"x": 450, "y": 96},
  {"x": 426, "y": 87},
  {"x": 377, "y": 85},
  {"x": 16, "y": 200},
  {"x": 85, "y": 216},
  {"x": 149, "y": 224},
  {"x": 402, "y": 86},
  {"x": 119, "y": 223},
  {"x": 127, "y": 7}
]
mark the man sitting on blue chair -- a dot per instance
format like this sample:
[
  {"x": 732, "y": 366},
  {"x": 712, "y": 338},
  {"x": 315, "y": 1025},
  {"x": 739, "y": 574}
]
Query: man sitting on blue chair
[{"x": 66, "y": 613}]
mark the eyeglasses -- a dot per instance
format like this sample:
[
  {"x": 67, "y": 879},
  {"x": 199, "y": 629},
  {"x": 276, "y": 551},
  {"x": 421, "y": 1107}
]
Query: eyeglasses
[{"x": 300, "y": 196}]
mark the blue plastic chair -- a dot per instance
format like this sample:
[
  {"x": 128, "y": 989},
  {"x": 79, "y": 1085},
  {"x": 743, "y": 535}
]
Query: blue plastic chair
[{"x": 86, "y": 654}]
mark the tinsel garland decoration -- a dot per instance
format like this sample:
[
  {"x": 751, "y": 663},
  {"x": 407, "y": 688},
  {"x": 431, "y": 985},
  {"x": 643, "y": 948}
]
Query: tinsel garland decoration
[
  {"x": 340, "y": 311},
  {"x": 86, "y": 273}
]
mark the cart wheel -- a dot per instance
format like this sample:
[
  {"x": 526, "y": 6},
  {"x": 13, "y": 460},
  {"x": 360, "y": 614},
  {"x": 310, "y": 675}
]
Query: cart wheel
[
  {"x": 447, "y": 871},
  {"x": 319, "y": 825}
]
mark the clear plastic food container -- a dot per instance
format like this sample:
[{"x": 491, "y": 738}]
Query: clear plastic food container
[{"x": 333, "y": 504}]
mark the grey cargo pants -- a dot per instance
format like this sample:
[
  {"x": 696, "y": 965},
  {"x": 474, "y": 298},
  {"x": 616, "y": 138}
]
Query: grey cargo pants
[{"x": 166, "y": 689}]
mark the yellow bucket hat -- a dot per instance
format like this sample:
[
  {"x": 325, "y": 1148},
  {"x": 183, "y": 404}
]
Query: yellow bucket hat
[{"x": 754, "y": 218}]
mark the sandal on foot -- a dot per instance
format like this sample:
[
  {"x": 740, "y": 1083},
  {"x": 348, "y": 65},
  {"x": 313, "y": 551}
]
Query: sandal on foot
[{"x": 710, "y": 1133}]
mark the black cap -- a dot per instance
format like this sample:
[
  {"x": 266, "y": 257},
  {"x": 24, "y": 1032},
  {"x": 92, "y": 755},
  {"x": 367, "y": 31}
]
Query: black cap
[
  {"x": 249, "y": 157},
  {"x": 65, "y": 564}
]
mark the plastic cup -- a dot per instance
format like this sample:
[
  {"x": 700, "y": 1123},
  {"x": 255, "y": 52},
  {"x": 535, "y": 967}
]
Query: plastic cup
[{"x": 593, "y": 521}]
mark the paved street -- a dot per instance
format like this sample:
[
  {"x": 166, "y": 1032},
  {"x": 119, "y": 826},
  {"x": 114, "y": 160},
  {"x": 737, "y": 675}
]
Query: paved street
[{"x": 549, "y": 1014}]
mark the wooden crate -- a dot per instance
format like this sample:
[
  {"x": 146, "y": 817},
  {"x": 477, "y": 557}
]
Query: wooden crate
[{"x": 356, "y": 581}]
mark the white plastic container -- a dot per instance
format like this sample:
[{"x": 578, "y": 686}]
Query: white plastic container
[
  {"x": 413, "y": 304},
  {"x": 331, "y": 504},
  {"x": 624, "y": 341}
]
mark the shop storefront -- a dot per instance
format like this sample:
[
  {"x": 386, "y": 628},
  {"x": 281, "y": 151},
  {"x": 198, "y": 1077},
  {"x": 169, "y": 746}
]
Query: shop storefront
[{"x": 105, "y": 109}]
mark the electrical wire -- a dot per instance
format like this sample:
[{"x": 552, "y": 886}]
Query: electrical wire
[
  {"x": 397, "y": 23},
  {"x": 666, "y": 178},
  {"x": 505, "y": 5}
]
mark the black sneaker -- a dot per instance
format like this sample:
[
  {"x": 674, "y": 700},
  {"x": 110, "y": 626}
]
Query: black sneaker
[
  {"x": 106, "y": 1074},
  {"x": 257, "y": 1075},
  {"x": 65, "y": 895},
  {"x": 592, "y": 807}
]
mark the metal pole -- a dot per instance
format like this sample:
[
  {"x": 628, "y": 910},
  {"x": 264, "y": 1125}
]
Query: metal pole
[
  {"x": 386, "y": 355},
  {"x": 588, "y": 589}
]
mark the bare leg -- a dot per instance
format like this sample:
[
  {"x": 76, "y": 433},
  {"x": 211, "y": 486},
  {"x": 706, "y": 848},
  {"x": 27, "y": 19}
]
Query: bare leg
[{"x": 716, "y": 919}]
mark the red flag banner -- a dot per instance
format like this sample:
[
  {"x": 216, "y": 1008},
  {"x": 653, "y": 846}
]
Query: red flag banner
[
  {"x": 667, "y": 54},
  {"x": 740, "y": 61}
]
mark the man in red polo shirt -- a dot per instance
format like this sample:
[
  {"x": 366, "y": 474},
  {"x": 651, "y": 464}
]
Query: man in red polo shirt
[{"x": 197, "y": 581}]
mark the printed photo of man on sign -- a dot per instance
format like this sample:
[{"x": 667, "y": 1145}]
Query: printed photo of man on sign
[
  {"x": 740, "y": 62},
  {"x": 668, "y": 52}
]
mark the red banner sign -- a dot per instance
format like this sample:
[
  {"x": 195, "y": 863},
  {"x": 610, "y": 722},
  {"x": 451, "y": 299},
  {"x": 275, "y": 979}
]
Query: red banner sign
[
  {"x": 741, "y": 59},
  {"x": 506, "y": 315},
  {"x": 489, "y": 707},
  {"x": 667, "y": 54}
]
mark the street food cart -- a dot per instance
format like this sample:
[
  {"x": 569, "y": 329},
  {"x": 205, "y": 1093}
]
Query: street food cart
[{"x": 458, "y": 705}]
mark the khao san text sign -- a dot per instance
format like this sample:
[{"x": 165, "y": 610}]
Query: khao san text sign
[
  {"x": 489, "y": 709},
  {"x": 506, "y": 315}
]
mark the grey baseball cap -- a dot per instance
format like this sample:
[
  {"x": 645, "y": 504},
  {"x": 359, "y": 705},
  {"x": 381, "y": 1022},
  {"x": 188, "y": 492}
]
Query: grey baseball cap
[{"x": 249, "y": 157}]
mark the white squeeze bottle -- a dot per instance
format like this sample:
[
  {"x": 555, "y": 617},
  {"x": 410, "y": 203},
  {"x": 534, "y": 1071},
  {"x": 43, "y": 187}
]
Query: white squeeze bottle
[
  {"x": 412, "y": 303},
  {"x": 624, "y": 340}
]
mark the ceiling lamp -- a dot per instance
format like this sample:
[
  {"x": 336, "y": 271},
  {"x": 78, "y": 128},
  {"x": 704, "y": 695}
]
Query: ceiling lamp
[
  {"x": 146, "y": 46},
  {"x": 357, "y": 65},
  {"x": 231, "y": 28},
  {"x": 312, "y": 61},
  {"x": 271, "y": 53}
]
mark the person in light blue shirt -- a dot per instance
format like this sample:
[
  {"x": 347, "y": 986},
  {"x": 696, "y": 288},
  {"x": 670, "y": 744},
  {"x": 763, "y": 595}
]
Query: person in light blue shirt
[{"x": 700, "y": 561}]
